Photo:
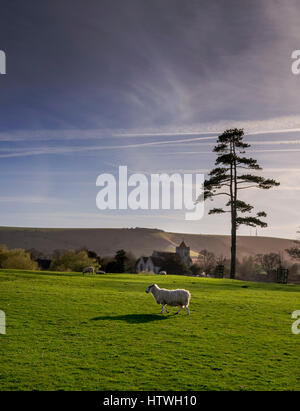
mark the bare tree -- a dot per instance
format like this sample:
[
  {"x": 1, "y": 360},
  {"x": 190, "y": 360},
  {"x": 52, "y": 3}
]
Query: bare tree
[
  {"x": 269, "y": 262},
  {"x": 294, "y": 252},
  {"x": 206, "y": 260}
]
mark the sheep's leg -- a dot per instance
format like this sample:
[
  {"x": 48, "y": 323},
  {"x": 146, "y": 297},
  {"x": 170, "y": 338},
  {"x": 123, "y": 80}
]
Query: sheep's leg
[
  {"x": 163, "y": 308},
  {"x": 179, "y": 310},
  {"x": 187, "y": 309}
]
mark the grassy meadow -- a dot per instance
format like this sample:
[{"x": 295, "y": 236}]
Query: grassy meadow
[{"x": 103, "y": 332}]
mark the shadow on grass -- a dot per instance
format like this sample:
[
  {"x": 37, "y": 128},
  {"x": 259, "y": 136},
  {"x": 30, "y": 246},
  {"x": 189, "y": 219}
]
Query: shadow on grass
[{"x": 132, "y": 318}]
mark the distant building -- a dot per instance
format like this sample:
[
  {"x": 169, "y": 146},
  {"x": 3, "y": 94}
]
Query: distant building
[
  {"x": 184, "y": 252},
  {"x": 156, "y": 261}
]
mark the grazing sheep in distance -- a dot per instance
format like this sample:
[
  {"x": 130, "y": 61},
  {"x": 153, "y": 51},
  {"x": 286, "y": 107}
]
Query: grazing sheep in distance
[
  {"x": 100, "y": 272},
  {"x": 175, "y": 298},
  {"x": 88, "y": 270},
  {"x": 162, "y": 273}
]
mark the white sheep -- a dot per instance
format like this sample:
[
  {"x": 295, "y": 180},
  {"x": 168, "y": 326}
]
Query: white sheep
[
  {"x": 175, "y": 298},
  {"x": 162, "y": 273},
  {"x": 100, "y": 272},
  {"x": 88, "y": 270}
]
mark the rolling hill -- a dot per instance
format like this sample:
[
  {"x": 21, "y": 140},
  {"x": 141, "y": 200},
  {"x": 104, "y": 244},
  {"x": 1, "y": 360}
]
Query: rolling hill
[{"x": 140, "y": 241}]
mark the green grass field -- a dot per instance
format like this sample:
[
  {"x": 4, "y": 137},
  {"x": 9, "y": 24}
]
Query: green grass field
[{"x": 69, "y": 332}]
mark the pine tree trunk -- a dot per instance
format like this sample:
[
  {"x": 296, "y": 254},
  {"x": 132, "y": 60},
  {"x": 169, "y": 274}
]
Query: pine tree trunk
[
  {"x": 233, "y": 215},
  {"x": 233, "y": 246}
]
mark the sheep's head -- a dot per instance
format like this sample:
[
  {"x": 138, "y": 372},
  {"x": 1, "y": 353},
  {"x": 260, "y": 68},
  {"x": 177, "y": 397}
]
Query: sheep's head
[{"x": 148, "y": 290}]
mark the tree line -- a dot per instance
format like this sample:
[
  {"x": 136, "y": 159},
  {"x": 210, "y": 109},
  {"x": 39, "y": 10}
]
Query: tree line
[
  {"x": 207, "y": 263},
  {"x": 65, "y": 260}
]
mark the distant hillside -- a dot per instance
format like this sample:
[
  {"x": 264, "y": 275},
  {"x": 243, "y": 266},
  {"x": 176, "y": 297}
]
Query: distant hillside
[{"x": 139, "y": 241}]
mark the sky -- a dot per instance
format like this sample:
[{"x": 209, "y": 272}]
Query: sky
[{"x": 92, "y": 85}]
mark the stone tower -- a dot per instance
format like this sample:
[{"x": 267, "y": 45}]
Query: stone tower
[{"x": 184, "y": 252}]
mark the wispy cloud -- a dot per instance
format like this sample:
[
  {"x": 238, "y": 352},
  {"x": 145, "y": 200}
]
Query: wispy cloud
[
  {"x": 197, "y": 141},
  {"x": 278, "y": 125},
  {"x": 71, "y": 149},
  {"x": 32, "y": 200},
  {"x": 184, "y": 153}
]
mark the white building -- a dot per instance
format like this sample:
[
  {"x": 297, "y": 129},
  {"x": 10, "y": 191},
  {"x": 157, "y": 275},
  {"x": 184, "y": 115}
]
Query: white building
[{"x": 155, "y": 263}]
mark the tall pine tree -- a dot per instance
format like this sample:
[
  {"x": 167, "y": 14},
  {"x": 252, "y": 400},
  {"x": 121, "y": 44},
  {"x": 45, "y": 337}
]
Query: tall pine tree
[{"x": 228, "y": 178}]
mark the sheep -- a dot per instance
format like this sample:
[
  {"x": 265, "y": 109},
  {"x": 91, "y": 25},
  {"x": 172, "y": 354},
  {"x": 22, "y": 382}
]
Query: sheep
[
  {"x": 162, "y": 273},
  {"x": 173, "y": 298},
  {"x": 100, "y": 272},
  {"x": 88, "y": 270}
]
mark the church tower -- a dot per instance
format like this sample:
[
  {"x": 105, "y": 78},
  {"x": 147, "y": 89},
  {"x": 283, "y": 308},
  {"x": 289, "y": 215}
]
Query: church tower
[{"x": 184, "y": 252}]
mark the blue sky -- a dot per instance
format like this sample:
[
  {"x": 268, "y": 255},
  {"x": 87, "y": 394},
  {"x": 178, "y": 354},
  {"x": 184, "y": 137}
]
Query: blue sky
[{"x": 98, "y": 84}]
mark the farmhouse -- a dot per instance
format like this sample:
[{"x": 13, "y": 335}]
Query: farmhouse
[{"x": 156, "y": 261}]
